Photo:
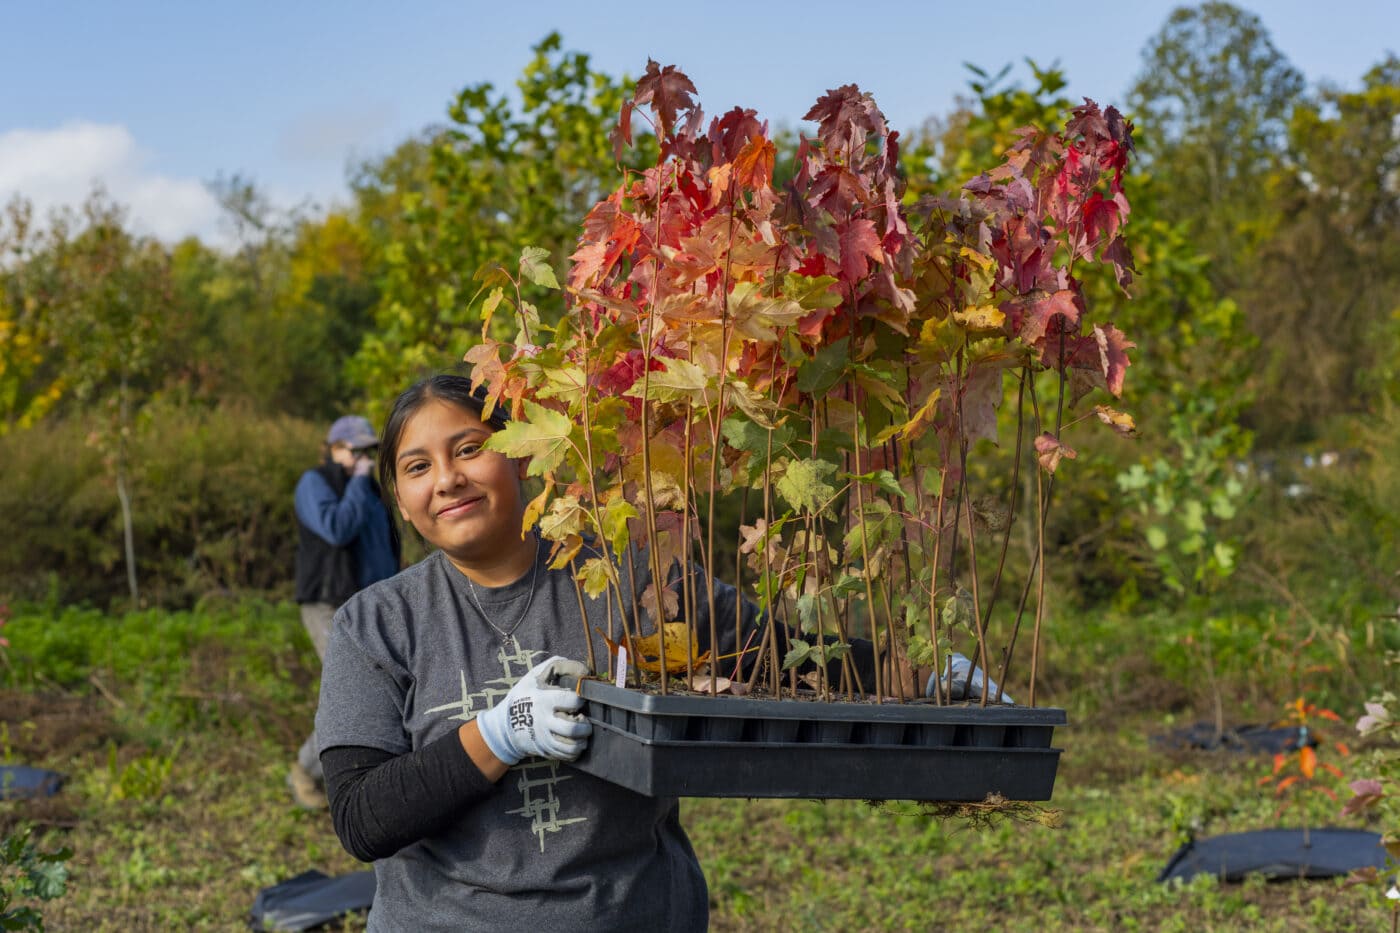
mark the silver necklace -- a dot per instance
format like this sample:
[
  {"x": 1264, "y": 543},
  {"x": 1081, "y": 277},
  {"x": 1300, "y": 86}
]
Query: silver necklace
[{"x": 534, "y": 574}]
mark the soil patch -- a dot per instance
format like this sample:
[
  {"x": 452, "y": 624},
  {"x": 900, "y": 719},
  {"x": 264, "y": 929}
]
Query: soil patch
[{"x": 46, "y": 729}]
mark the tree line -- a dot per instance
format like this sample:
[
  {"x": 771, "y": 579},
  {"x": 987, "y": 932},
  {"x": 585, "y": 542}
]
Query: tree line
[{"x": 1266, "y": 229}]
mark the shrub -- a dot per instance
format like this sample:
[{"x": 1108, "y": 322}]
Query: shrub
[{"x": 211, "y": 503}]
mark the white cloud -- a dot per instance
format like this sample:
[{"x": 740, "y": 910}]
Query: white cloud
[{"x": 55, "y": 167}]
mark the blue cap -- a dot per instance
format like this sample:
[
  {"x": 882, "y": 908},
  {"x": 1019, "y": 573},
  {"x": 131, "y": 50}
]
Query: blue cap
[{"x": 352, "y": 430}]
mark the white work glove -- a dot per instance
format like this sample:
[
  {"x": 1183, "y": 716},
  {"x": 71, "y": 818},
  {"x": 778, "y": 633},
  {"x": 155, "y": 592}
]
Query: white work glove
[
  {"x": 537, "y": 718},
  {"x": 962, "y": 681},
  {"x": 364, "y": 466}
]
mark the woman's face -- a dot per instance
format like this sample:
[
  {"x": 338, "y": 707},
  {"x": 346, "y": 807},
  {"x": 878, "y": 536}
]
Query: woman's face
[{"x": 459, "y": 497}]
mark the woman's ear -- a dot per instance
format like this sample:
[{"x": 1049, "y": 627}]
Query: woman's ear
[{"x": 522, "y": 468}]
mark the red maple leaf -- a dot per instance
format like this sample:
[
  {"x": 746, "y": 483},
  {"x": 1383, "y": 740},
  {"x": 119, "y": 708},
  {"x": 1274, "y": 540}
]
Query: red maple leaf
[
  {"x": 732, "y": 132},
  {"x": 1122, "y": 260},
  {"x": 669, "y": 91},
  {"x": 753, "y": 164},
  {"x": 1113, "y": 354},
  {"x": 622, "y": 133},
  {"x": 859, "y": 247},
  {"x": 1065, "y": 303},
  {"x": 846, "y": 118}
]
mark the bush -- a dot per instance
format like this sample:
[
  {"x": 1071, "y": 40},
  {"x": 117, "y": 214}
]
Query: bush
[{"x": 211, "y": 507}]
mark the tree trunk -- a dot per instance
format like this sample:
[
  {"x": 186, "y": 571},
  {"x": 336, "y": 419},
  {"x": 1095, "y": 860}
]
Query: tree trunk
[{"x": 128, "y": 538}]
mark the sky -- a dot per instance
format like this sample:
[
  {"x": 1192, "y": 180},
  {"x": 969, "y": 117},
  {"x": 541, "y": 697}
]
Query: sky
[{"x": 153, "y": 100}]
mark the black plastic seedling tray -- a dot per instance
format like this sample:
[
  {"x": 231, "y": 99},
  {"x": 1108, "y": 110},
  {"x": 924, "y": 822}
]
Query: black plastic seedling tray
[{"x": 690, "y": 746}]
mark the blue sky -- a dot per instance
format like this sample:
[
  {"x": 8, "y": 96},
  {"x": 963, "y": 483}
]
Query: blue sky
[{"x": 156, "y": 98}]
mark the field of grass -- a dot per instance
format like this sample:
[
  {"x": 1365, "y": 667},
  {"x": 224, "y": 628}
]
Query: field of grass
[{"x": 175, "y": 730}]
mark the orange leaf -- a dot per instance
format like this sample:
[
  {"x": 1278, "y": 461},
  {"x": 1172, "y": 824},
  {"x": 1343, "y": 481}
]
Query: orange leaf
[
  {"x": 1286, "y": 783},
  {"x": 1307, "y": 761},
  {"x": 753, "y": 166}
]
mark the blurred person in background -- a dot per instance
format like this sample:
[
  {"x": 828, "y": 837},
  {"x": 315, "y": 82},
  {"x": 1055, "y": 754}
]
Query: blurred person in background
[{"x": 346, "y": 542}]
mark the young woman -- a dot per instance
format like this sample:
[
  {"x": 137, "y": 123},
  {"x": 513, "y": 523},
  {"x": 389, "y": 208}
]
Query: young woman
[
  {"x": 443, "y": 733},
  {"x": 442, "y": 729}
]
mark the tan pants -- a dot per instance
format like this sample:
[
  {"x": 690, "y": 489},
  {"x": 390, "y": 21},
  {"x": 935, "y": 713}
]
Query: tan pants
[{"x": 317, "y": 619}]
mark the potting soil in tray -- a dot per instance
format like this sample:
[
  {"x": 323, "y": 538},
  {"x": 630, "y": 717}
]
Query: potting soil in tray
[{"x": 739, "y": 747}]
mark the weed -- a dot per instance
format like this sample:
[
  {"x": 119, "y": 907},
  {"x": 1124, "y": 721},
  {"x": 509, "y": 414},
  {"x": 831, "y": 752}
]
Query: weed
[{"x": 29, "y": 873}]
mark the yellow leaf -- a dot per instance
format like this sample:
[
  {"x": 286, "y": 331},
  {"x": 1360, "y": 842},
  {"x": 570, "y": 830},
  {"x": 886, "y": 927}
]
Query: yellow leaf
[
  {"x": 565, "y": 551},
  {"x": 535, "y": 509},
  {"x": 681, "y": 647},
  {"x": 982, "y": 317},
  {"x": 1119, "y": 421}
]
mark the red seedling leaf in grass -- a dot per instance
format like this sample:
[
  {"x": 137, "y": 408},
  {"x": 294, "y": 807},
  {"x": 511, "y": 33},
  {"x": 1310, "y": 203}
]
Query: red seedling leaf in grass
[
  {"x": 1113, "y": 354},
  {"x": 1307, "y": 761},
  {"x": 669, "y": 91},
  {"x": 1049, "y": 451},
  {"x": 1285, "y": 784}
]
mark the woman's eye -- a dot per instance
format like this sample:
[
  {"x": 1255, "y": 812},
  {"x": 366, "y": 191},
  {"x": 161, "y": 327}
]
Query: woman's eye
[
  {"x": 469, "y": 450},
  {"x": 414, "y": 468}
]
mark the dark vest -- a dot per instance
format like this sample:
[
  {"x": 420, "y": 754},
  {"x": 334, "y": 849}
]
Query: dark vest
[{"x": 326, "y": 574}]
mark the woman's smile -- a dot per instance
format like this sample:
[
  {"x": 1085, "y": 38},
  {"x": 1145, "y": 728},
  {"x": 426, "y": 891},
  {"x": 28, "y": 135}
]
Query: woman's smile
[{"x": 460, "y": 497}]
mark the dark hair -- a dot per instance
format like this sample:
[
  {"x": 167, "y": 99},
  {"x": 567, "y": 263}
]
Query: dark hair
[{"x": 447, "y": 387}]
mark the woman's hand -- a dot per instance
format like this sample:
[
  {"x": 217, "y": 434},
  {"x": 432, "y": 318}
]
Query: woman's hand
[{"x": 537, "y": 718}]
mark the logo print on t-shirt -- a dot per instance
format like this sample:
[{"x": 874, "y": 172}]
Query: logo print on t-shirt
[{"x": 538, "y": 778}]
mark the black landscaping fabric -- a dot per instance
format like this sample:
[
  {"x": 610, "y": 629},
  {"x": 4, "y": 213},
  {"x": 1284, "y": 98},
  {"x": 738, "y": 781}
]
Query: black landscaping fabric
[
  {"x": 310, "y": 900},
  {"x": 18, "y": 782},
  {"x": 1203, "y": 735},
  {"x": 1277, "y": 854}
]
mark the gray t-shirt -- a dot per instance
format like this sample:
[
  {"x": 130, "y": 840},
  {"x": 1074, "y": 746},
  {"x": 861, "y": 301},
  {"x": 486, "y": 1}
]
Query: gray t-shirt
[{"x": 409, "y": 660}]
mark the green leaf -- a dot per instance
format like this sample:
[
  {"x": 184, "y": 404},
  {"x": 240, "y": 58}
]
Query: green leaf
[
  {"x": 544, "y": 437},
  {"x": 811, "y": 292},
  {"x": 49, "y": 877},
  {"x": 1224, "y": 558},
  {"x": 1156, "y": 538},
  {"x": 798, "y": 652},
  {"x": 1193, "y": 517},
  {"x": 804, "y": 485},
  {"x": 884, "y": 481},
  {"x": 957, "y": 609},
  {"x": 823, "y": 370},
  {"x": 678, "y": 380},
  {"x": 534, "y": 266},
  {"x": 747, "y": 435},
  {"x": 848, "y": 585},
  {"x": 615, "y": 516}
]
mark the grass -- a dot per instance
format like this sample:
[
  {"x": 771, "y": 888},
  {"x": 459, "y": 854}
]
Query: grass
[{"x": 175, "y": 730}]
